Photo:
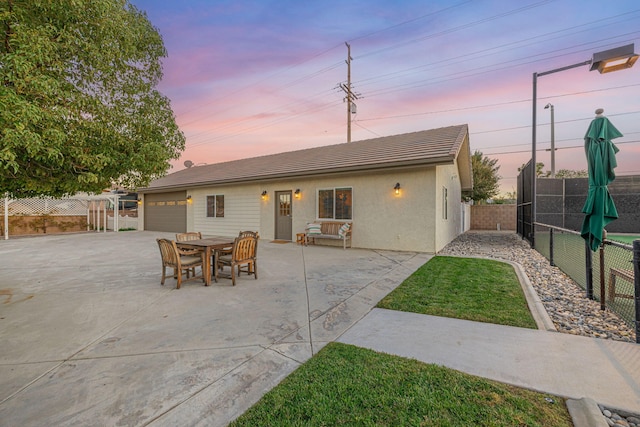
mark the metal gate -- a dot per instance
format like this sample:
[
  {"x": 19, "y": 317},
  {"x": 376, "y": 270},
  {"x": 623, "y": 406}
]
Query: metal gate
[{"x": 525, "y": 205}]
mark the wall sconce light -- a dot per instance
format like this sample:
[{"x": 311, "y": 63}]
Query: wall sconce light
[
  {"x": 397, "y": 188},
  {"x": 297, "y": 193},
  {"x": 139, "y": 201},
  {"x": 189, "y": 200},
  {"x": 264, "y": 195}
]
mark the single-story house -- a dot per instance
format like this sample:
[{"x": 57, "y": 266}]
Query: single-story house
[{"x": 400, "y": 192}]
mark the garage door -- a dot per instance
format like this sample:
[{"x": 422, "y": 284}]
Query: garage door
[{"x": 166, "y": 212}]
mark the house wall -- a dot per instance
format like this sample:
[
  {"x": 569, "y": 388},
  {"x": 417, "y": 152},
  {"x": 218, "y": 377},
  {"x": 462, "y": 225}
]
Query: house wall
[
  {"x": 381, "y": 220},
  {"x": 410, "y": 221},
  {"x": 241, "y": 210},
  {"x": 449, "y": 224}
]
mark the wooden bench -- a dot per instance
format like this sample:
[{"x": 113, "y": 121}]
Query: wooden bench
[
  {"x": 331, "y": 230},
  {"x": 623, "y": 274}
]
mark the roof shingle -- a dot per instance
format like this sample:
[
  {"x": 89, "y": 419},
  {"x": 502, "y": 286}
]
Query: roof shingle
[{"x": 435, "y": 146}]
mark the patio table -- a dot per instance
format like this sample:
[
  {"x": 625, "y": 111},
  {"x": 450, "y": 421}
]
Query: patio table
[{"x": 208, "y": 245}]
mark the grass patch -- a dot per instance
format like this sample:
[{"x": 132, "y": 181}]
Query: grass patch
[
  {"x": 465, "y": 288},
  {"x": 623, "y": 238},
  {"x": 352, "y": 386}
]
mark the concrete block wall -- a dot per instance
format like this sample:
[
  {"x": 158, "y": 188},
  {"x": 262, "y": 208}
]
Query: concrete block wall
[{"x": 493, "y": 217}]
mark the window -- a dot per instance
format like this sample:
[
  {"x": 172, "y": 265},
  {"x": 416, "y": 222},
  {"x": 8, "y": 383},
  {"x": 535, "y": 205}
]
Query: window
[
  {"x": 445, "y": 202},
  {"x": 335, "y": 203},
  {"x": 215, "y": 206}
]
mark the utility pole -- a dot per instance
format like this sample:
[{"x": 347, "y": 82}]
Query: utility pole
[{"x": 350, "y": 95}]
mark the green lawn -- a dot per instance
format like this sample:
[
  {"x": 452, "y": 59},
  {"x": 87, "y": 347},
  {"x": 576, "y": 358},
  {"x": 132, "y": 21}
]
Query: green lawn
[
  {"x": 351, "y": 386},
  {"x": 465, "y": 288},
  {"x": 623, "y": 238},
  {"x": 344, "y": 385}
]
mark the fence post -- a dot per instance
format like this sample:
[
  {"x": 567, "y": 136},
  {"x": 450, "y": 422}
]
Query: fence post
[
  {"x": 551, "y": 248},
  {"x": 589, "y": 267},
  {"x": 636, "y": 283},
  {"x": 602, "y": 297}
]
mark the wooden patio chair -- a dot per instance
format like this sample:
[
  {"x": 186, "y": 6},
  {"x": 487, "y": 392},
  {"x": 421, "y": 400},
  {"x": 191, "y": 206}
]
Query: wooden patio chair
[
  {"x": 184, "y": 237},
  {"x": 179, "y": 261},
  {"x": 227, "y": 251},
  {"x": 191, "y": 235},
  {"x": 243, "y": 253}
]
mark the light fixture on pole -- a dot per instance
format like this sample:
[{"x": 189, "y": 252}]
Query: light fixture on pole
[
  {"x": 553, "y": 141},
  {"x": 615, "y": 59}
]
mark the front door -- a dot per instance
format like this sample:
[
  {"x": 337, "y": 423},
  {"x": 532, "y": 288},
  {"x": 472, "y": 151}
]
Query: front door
[{"x": 283, "y": 215}]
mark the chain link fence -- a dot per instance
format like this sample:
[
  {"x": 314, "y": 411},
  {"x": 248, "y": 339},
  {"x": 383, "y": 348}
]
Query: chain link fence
[{"x": 609, "y": 275}]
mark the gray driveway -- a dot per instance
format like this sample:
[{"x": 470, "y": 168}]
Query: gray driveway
[{"x": 90, "y": 337}]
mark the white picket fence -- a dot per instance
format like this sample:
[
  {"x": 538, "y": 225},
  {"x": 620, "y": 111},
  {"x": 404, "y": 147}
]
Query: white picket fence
[{"x": 124, "y": 223}]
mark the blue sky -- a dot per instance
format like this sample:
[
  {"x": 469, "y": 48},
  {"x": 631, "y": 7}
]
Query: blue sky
[{"x": 248, "y": 78}]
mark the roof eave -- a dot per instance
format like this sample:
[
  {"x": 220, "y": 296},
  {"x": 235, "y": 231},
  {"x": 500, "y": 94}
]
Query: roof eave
[{"x": 305, "y": 174}]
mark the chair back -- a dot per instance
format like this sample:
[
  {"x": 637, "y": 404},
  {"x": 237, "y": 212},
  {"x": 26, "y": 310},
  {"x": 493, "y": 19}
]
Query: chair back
[
  {"x": 244, "y": 248},
  {"x": 253, "y": 234},
  {"x": 192, "y": 235},
  {"x": 168, "y": 252}
]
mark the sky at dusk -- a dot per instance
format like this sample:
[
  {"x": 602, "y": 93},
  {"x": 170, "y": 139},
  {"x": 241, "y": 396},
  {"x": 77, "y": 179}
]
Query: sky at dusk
[{"x": 249, "y": 78}]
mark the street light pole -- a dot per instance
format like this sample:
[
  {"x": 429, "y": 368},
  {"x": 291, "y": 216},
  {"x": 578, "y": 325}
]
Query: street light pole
[
  {"x": 553, "y": 142},
  {"x": 615, "y": 59}
]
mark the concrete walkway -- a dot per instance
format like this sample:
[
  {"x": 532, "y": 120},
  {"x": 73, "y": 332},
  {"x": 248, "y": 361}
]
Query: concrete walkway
[{"x": 91, "y": 338}]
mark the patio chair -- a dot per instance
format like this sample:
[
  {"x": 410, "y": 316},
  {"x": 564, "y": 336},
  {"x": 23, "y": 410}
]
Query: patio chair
[
  {"x": 184, "y": 237},
  {"x": 227, "y": 251},
  {"x": 243, "y": 253},
  {"x": 191, "y": 235},
  {"x": 180, "y": 261}
]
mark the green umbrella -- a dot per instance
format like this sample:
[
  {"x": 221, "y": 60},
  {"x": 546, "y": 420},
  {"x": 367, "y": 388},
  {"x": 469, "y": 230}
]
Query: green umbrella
[{"x": 601, "y": 158}]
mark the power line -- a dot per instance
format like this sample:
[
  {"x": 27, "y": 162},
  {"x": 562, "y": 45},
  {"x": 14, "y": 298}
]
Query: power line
[
  {"x": 557, "y": 148},
  {"x": 380, "y": 92}
]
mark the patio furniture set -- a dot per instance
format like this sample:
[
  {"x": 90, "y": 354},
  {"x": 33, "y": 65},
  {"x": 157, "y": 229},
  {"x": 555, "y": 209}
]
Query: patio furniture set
[{"x": 210, "y": 254}]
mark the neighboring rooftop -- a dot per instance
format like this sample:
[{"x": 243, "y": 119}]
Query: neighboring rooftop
[{"x": 429, "y": 147}]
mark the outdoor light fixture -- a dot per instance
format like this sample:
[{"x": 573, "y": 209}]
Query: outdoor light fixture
[
  {"x": 264, "y": 195},
  {"x": 615, "y": 59},
  {"x": 139, "y": 201},
  {"x": 297, "y": 193},
  {"x": 397, "y": 188},
  {"x": 189, "y": 199}
]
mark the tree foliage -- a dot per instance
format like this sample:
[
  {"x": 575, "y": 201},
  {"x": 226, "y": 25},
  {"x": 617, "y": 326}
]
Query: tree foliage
[
  {"x": 568, "y": 173},
  {"x": 485, "y": 177},
  {"x": 79, "y": 109}
]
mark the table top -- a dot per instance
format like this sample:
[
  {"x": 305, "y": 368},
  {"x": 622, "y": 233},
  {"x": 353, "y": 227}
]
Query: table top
[{"x": 212, "y": 242}]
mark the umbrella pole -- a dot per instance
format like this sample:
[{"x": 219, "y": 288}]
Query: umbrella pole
[{"x": 588, "y": 260}]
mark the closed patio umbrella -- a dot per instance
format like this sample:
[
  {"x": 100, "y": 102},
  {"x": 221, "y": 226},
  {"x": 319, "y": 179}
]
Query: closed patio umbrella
[{"x": 599, "y": 208}]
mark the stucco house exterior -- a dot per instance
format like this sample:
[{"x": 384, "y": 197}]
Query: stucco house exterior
[{"x": 277, "y": 195}]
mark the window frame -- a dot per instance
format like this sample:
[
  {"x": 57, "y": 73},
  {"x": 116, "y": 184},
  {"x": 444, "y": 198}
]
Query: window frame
[
  {"x": 333, "y": 204},
  {"x": 445, "y": 203},
  {"x": 215, "y": 208}
]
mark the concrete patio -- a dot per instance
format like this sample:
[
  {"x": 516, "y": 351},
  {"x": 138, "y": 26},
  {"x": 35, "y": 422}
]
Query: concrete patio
[{"x": 91, "y": 338}]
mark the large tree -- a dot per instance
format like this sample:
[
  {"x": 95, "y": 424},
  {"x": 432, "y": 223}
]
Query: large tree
[
  {"x": 485, "y": 177},
  {"x": 79, "y": 109}
]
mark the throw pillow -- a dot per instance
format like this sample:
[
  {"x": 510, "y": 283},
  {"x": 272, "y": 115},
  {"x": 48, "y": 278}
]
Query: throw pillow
[
  {"x": 313, "y": 229},
  {"x": 344, "y": 228}
]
